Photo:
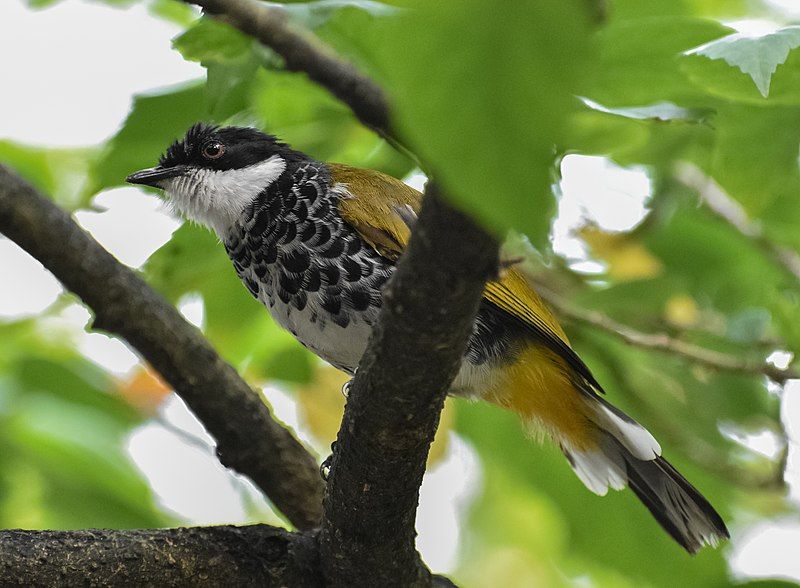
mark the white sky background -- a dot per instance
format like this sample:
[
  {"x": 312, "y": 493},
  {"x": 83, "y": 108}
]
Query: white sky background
[{"x": 63, "y": 91}]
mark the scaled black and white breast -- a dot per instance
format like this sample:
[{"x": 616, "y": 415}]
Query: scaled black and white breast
[{"x": 307, "y": 266}]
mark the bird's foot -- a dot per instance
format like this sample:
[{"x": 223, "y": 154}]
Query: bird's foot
[
  {"x": 346, "y": 387},
  {"x": 348, "y": 384},
  {"x": 325, "y": 466}
]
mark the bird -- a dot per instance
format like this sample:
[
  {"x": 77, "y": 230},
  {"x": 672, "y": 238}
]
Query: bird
[{"x": 316, "y": 243}]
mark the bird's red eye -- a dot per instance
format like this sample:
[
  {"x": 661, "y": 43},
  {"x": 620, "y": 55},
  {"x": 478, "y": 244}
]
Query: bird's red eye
[{"x": 213, "y": 150}]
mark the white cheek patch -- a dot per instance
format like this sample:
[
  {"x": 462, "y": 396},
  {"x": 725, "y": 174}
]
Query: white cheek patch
[{"x": 216, "y": 199}]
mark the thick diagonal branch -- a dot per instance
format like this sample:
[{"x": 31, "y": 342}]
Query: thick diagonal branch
[{"x": 248, "y": 439}]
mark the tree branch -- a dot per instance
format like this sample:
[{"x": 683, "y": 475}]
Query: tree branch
[
  {"x": 248, "y": 439},
  {"x": 255, "y": 555},
  {"x": 663, "y": 342},
  {"x": 730, "y": 211}
]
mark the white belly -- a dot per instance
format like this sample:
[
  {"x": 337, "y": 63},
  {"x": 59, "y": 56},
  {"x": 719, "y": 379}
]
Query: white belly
[
  {"x": 343, "y": 347},
  {"x": 340, "y": 346}
]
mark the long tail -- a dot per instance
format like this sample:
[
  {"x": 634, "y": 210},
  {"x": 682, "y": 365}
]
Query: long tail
[
  {"x": 627, "y": 455},
  {"x": 605, "y": 447}
]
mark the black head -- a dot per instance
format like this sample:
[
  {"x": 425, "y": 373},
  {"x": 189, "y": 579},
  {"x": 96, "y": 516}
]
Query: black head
[{"x": 215, "y": 148}]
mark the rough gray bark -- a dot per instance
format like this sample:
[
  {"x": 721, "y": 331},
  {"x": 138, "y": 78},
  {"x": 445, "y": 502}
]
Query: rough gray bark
[
  {"x": 248, "y": 439},
  {"x": 256, "y": 555}
]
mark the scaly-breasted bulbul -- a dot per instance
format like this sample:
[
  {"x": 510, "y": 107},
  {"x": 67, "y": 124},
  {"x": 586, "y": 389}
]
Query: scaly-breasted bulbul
[{"x": 316, "y": 242}]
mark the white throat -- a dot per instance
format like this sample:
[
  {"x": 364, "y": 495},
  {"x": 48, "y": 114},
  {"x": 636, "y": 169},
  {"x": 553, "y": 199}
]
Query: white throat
[{"x": 216, "y": 199}]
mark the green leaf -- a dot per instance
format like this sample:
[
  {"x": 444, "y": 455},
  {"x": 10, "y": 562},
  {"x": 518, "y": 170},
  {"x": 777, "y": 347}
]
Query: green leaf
[
  {"x": 231, "y": 60},
  {"x": 661, "y": 111},
  {"x": 186, "y": 263},
  {"x": 708, "y": 259},
  {"x": 622, "y": 135},
  {"x": 755, "y": 161},
  {"x": 317, "y": 13},
  {"x": 31, "y": 163},
  {"x": 174, "y": 11},
  {"x": 62, "y": 444},
  {"x": 635, "y": 9},
  {"x": 757, "y": 57},
  {"x": 88, "y": 479},
  {"x": 310, "y": 119},
  {"x": 290, "y": 364},
  {"x": 724, "y": 9},
  {"x": 488, "y": 106},
  {"x": 639, "y": 61},
  {"x": 229, "y": 86},
  {"x": 76, "y": 382},
  {"x": 59, "y": 173},
  {"x": 37, "y": 4},
  {"x": 209, "y": 40}
]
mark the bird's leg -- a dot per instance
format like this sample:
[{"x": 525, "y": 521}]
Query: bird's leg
[{"x": 325, "y": 466}]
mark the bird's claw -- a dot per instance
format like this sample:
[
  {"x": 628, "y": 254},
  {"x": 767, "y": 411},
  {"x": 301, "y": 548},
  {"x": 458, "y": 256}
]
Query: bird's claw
[
  {"x": 346, "y": 388},
  {"x": 348, "y": 384},
  {"x": 325, "y": 466}
]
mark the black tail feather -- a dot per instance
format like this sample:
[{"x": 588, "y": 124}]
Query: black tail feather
[{"x": 677, "y": 505}]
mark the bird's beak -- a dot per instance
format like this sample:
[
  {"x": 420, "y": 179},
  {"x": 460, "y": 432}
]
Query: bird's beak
[{"x": 153, "y": 175}]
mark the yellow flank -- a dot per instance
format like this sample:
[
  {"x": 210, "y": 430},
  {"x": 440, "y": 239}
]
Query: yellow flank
[{"x": 538, "y": 387}]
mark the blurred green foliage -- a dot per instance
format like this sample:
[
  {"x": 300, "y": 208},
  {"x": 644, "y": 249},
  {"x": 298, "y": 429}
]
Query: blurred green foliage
[
  {"x": 491, "y": 95},
  {"x": 63, "y": 428}
]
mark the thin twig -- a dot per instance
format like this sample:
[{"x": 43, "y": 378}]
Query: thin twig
[
  {"x": 730, "y": 211},
  {"x": 712, "y": 459},
  {"x": 663, "y": 342}
]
